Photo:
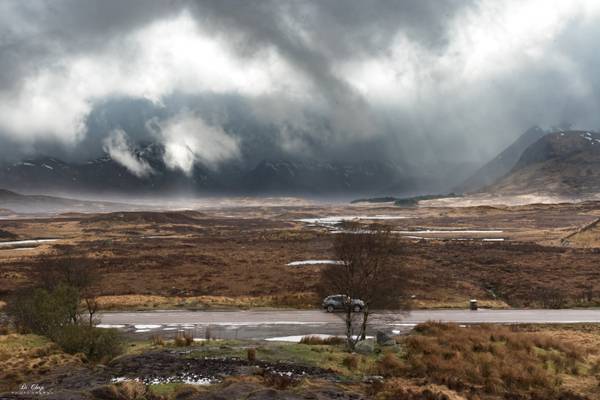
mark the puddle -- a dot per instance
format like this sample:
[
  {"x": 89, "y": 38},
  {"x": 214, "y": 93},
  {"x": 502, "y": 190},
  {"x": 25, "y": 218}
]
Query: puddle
[
  {"x": 298, "y": 338},
  {"x": 189, "y": 379},
  {"x": 454, "y": 231},
  {"x": 334, "y": 220},
  {"x": 147, "y": 326},
  {"x": 454, "y": 239},
  {"x": 314, "y": 262},
  {"x": 28, "y": 243}
]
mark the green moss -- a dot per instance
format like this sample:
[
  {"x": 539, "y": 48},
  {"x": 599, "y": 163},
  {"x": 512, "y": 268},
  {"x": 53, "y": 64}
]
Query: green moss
[
  {"x": 167, "y": 390},
  {"x": 14, "y": 342},
  {"x": 322, "y": 356}
]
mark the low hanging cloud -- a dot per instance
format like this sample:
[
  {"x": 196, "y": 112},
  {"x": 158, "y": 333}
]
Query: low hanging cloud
[
  {"x": 188, "y": 140},
  {"x": 118, "y": 148}
]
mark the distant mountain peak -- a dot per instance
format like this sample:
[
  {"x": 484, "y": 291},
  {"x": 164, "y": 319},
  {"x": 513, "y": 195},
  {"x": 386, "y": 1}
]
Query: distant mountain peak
[
  {"x": 502, "y": 163},
  {"x": 565, "y": 163}
]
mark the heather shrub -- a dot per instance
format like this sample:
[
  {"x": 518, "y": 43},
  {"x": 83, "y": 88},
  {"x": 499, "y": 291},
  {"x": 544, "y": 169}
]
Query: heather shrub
[
  {"x": 157, "y": 340},
  {"x": 494, "y": 358},
  {"x": 350, "y": 362},
  {"x": 184, "y": 339},
  {"x": 251, "y": 355},
  {"x": 97, "y": 344},
  {"x": 388, "y": 366}
]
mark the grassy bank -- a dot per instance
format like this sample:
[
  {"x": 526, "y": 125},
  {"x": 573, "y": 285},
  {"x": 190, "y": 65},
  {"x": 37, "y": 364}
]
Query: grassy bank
[{"x": 435, "y": 361}]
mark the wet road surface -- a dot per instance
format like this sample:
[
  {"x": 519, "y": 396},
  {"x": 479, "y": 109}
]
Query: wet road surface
[{"x": 282, "y": 323}]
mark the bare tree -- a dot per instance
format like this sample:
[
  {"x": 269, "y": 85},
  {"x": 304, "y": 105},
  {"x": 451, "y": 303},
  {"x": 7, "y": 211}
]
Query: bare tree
[
  {"x": 66, "y": 268},
  {"x": 369, "y": 271},
  {"x": 91, "y": 306}
]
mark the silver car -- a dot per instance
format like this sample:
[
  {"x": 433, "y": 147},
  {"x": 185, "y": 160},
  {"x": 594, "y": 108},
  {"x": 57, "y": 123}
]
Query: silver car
[{"x": 337, "y": 302}]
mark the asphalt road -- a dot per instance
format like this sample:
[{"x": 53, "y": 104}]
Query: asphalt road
[{"x": 281, "y": 323}]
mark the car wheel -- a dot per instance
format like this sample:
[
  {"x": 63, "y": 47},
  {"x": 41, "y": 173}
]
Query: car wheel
[
  {"x": 357, "y": 309},
  {"x": 330, "y": 308}
]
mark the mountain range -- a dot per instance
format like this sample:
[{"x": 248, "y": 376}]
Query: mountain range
[
  {"x": 502, "y": 163},
  {"x": 564, "y": 163},
  {"x": 11, "y": 203},
  {"x": 105, "y": 175}
]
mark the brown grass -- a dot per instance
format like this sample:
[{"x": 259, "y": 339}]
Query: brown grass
[
  {"x": 27, "y": 357},
  {"x": 389, "y": 366},
  {"x": 211, "y": 260},
  {"x": 144, "y": 302},
  {"x": 319, "y": 341},
  {"x": 183, "y": 339},
  {"x": 404, "y": 389},
  {"x": 494, "y": 360},
  {"x": 157, "y": 340},
  {"x": 351, "y": 362},
  {"x": 251, "y": 355}
]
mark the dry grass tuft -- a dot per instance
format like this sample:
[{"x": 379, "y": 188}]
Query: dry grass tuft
[
  {"x": 251, "y": 355},
  {"x": 157, "y": 340},
  {"x": 279, "y": 382},
  {"x": 24, "y": 358},
  {"x": 351, "y": 362},
  {"x": 389, "y": 366},
  {"x": 184, "y": 339},
  {"x": 493, "y": 359}
]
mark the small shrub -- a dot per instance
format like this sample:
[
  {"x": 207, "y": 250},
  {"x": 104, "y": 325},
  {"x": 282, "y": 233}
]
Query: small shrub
[
  {"x": 279, "y": 382},
  {"x": 189, "y": 338},
  {"x": 180, "y": 341},
  {"x": 184, "y": 339},
  {"x": 350, "y": 362},
  {"x": 394, "y": 392},
  {"x": 157, "y": 340},
  {"x": 186, "y": 392},
  {"x": 389, "y": 366},
  {"x": 95, "y": 343},
  {"x": 124, "y": 390},
  {"x": 132, "y": 390},
  {"x": 251, "y": 355},
  {"x": 43, "y": 312},
  {"x": 501, "y": 360}
]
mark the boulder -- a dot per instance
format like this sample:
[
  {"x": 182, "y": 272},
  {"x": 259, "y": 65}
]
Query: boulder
[
  {"x": 385, "y": 340},
  {"x": 366, "y": 346}
]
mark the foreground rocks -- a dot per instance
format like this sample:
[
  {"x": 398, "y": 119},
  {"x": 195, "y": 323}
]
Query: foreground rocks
[
  {"x": 385, "y": 340},
  {"x": 133, "y": 373},
  {"x": 230, "y": 391},
  {"x": 366, "y": 346},
  {"x": 253, "y": 391}
]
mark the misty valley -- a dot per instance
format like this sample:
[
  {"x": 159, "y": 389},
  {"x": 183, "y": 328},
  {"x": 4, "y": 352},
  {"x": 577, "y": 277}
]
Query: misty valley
[{"x": 292, "y": 200}]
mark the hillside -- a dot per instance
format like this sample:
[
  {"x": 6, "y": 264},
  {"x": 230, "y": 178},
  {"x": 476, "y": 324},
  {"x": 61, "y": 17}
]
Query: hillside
[
  {"x": 587, "y": 236},
  {"x": 21, "y": 203},
  {"x": 141, "y": 217},
  {"x": 105, "y": 175},
  {"x": 503, "y": 163},
  {"x": 563, "y": 163}
]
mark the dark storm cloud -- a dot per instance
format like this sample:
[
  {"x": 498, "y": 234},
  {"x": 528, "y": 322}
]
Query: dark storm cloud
[
  {"x": 315, "y": 36},
  {"x": 417, "y": 82},
  {"x": 34, "y": 34}
]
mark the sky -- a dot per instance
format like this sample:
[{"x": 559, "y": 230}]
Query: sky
[{"x": 415, "y": 82}]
